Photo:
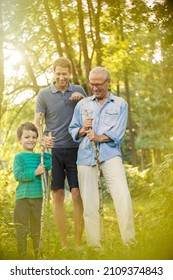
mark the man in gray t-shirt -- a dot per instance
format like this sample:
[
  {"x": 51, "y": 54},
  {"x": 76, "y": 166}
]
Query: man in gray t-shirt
[{"x": 57, "y": 103}]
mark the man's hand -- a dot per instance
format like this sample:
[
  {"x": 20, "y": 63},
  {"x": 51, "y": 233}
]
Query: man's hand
[
  {"x": 47, "y": 142},
  {"x": 87, "y": 123},
  {"x": 92, "y": 136},
  {"x": 76, "y": 96}
]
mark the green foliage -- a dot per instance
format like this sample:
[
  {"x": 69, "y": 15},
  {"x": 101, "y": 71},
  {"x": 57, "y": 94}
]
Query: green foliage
[
  {"x": 127, "y": 37},
  {"x": 152, "y": 194},
  {"x": 7, "y": 229},
  {"x": 162, "y": 177},
  {"x": 138, "y": 182}
]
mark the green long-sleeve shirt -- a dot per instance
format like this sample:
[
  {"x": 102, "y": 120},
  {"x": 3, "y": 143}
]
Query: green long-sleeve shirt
[{"x": 25, "y": 164}]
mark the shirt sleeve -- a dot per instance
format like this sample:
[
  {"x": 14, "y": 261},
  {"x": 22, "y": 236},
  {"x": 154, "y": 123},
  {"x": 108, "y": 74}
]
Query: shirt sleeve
[
  {"x": 76, "y": 124},
  {"x": 48, "y": 161},
  {"x": 20, "y": 174},
  {"x": 40, "y": 103},
  {"x": 83, "y": 92},
  {"x": 116, "y": 132}
]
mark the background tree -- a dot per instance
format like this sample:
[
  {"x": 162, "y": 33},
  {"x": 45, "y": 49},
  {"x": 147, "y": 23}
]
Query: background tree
[{"x": 134, "y": 40}]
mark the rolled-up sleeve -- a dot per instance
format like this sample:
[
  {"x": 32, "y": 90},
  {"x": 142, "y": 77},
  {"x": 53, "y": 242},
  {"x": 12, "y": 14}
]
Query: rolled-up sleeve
[
  {"x": 76, "y": 124},
  {"x": 117, "y": 130}
]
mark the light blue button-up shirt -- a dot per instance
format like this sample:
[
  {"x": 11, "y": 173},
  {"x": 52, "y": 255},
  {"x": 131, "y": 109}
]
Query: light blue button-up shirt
[{"x": 109, "y": 119}]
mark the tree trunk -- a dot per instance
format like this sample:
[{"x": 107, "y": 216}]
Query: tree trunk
[
  {"x": 94, "y": 15},
  {"x": 64, "y": 38},
  {"x": 132, "y": 141},
  {"x": 1, "y": 60},
  {"x": 53, "y": 28},
  {"x": 118, "y": 88},
  {"x": 82, "y": 40},
  {"x": 98, "y": 39},
  {"x": 29, "y": 68},
  {"x": 126, "y": 82},
  {"x": 142, "y": 160}
]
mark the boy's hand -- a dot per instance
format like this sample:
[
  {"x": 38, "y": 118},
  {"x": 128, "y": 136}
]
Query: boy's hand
[{"x": 40, "y": 170}]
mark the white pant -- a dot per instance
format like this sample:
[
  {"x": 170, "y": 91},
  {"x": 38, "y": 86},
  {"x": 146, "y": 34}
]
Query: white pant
[{"x": 115, "y": 178}]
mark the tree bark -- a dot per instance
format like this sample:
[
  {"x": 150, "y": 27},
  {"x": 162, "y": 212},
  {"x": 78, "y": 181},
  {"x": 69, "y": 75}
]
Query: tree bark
[
  {"x": 64, "y": 38},
  {"x": 132, "y": 140},
  {"x": 53, "y": 28},
  {"x": 83, "y": 41},
  {"x": 126, "y": 83},
  {"x": 94, "y": 16},
  {"x": 1, "y": 60}
]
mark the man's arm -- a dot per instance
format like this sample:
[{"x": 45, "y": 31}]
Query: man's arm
[
  {"x": 92, "y": 136},
  {"x": 46, "y": 141},
  {"x": 37, "y": 123}
]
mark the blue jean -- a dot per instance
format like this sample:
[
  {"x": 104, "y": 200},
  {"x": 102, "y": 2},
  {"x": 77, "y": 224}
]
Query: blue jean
[{"x": 27, "y": 219}]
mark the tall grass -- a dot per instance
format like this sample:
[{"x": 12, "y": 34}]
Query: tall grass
[{"x": 152, "y": 193}]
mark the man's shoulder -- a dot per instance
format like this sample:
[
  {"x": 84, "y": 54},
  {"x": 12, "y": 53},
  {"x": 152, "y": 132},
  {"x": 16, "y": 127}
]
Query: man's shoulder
[
  {"x": 71, "y": 85},
  {"x": 118, "y": 100},
  {"x": 45, "y": 90},
  {"x": 85, "y": 100},
  {"x": 75, "y": 87}
]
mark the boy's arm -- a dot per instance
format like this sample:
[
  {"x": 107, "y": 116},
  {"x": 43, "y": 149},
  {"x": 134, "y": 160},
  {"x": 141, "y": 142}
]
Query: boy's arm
[
  {"x": 47, "y": 161},
  {"x": 20, "y": 173},
  {"x": 46, "y": 141}
]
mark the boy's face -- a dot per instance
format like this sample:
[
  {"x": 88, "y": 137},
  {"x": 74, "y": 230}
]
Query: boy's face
[{"x": 28, "y": 140}]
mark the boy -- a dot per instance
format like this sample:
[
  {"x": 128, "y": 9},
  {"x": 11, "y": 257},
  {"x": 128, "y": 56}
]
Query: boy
[{"x": 27, "y": 171}]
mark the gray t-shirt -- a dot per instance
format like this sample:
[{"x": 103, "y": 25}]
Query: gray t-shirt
[{"x": 58, "y": 110}]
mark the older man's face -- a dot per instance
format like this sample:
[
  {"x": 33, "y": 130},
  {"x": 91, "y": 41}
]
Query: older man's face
[{"x": 98, "y": 85}]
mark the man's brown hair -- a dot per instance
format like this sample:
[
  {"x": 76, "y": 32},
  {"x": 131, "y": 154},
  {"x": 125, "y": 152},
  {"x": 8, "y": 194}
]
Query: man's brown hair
[{"x": 63, "y": 62}]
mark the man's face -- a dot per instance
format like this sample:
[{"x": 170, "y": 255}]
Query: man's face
[
  {"x": 62, "y": 77},
  {"x": 99, "y": 85}
]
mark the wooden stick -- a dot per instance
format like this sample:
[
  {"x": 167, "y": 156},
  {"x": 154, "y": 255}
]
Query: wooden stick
[
  {"x": 44, "y": 191},
  {"x": 101, "y": 213},
  {"x": 48, "y": 203}
]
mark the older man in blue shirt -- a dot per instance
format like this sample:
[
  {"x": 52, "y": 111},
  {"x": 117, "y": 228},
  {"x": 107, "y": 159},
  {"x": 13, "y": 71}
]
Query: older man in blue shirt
[{"x": 102, "y": 118}]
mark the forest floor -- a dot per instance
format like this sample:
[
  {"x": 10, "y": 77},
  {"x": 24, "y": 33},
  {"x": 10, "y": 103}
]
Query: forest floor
[{"x": 154, "y": 235}]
